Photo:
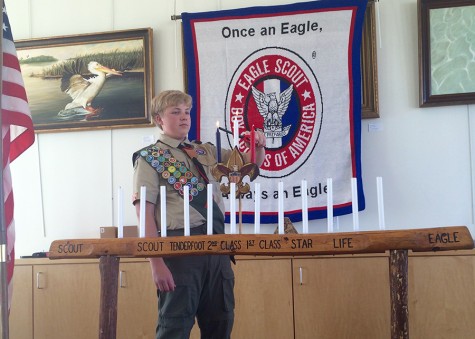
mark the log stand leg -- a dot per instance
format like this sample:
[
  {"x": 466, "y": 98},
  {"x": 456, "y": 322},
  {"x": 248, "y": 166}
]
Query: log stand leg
[
  {"x": 109, "y": 268},
  {"x": 398, "y": 261}
]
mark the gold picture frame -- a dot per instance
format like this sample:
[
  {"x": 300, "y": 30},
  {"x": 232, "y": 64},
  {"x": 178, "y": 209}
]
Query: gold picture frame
[
  {"x": 369, "y": 65},
  {"x": 56, "y": 71}
]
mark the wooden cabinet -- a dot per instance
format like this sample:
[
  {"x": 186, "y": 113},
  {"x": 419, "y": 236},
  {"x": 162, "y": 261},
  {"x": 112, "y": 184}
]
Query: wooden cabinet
[
  {"x": 21, "y": 311},
  {"x": 263, "y": 294},
  {"x": 60, "y": 299},
  {"x": 66, "y": 301},
  {"x": 137, "y": 311},
  {"x": 282, "y": 298},
  {"x": 341, "y": 297},
  {"x": 55, "y": 300},
  {"x": 442, "y": 295}
]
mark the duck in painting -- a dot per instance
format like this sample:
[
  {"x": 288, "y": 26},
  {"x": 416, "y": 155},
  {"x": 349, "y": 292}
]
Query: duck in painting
[{"x": 83, "y": 90}]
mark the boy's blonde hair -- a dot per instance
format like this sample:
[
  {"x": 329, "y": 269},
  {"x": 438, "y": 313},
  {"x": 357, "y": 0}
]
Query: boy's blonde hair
[{"x": 169, "y": 98}]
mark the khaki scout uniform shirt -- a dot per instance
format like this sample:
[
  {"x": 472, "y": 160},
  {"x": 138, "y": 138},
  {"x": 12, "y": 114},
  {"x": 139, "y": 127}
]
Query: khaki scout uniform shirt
[{"x": 146, "y": 175}]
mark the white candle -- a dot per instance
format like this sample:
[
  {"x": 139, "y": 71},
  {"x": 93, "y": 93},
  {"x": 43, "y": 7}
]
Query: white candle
[
  {"x": 236, "y": 133},
  {"x": 186, "y": 209},
  {"x": 120, "y": 213},
  {"x": 143, "y": 201},
  {"x": 379, "y": 186},
  {"x": 354, "y": 204},
  {"x": 209, "y": 228},
  {"x": 163, "y": 211},
  {"x": 281, "y": 207},
  {"x": 329, "y": 205},
  {"x": 257, "y": 208},
  {"x": 232, "y": 208},
  {"x": 304, "y": 206}
]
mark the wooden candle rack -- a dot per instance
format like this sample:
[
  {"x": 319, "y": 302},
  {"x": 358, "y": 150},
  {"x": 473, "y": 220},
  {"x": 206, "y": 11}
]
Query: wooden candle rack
[{"x": 397, "y": 242}]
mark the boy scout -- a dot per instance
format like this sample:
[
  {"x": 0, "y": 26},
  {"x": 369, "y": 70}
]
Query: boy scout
[{"x": 195, "y": 286}]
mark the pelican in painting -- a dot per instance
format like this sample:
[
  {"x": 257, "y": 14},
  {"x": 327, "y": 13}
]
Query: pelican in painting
[{"x": 82, "y": 90}]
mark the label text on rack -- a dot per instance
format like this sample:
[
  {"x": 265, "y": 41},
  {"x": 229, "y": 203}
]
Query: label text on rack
[
  {"x": 301, "y": 243},
  {"x": 342, "y": 243},
  {"x": 150, "y": 246},
  {"x": 444, "y": 238},
  {"x": 70, "y": 248}
]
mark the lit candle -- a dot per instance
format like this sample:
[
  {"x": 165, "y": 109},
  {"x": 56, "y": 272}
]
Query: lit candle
[
  {"x": 236, "y": 133},
  {"x": 252, "y": 144},
  {"x": 281, "y": 207},
  {"x": 379, "y": 186},
  {"x": 209, "y": 228},
  {"x": 163, "y": 211},
  {"x": 330, "y": 205},
  {"x": 218, "y": 143},
  {"x": 143, "y": 202},
  {"x": 120, "y": 213},
  {"x": 304, "y": 206},
  {"x": 354, "y": 200},
  {"x": 232, "y": 208},
  {"x": 257, "y": 208},
  {"x": 186, "y": 209}
]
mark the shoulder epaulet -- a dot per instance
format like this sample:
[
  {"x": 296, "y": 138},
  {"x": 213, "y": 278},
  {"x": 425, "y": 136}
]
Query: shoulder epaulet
[{"x": 197, "y": 142}]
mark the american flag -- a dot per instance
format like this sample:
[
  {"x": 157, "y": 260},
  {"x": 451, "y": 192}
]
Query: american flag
[{"x": 17, "y": 134}]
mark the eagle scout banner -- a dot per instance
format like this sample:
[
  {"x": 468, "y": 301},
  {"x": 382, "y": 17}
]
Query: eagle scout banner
[{"x": 294, "y": 72}]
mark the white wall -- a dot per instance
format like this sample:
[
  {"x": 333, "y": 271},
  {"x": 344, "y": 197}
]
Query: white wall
[{"x": 65, "y": 185}]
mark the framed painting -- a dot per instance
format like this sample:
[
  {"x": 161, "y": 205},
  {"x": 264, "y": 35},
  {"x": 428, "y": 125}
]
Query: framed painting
[
  {"x": 89, "y": 81},
  {"x": 446, "y": 58}
]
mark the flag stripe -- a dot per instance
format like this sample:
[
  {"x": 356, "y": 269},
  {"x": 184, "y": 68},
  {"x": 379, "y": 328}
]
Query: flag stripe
[
  {"x": 11, "y": 117},
  {"x": 10, "y": 61},
  {"x": 17, "y": 148},
  {"x": 15, "y": 105},
  {"x": 13, "y": 89},
  {"x": 11, "y": 75},
  {"x": 17, "y": 135}
]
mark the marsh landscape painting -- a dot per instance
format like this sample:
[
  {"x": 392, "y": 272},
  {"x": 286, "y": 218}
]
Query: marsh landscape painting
[{"x": 100, "y": 80}]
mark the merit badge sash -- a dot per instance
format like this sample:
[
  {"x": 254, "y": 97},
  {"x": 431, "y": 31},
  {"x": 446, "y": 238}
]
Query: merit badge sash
[
  {"x": 294, "y": 72},
  {"x": 176, "y": 174}
]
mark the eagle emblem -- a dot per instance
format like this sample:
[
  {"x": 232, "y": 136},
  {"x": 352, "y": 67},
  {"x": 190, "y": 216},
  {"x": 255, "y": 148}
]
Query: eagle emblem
[{"x": 272, "y": 109}]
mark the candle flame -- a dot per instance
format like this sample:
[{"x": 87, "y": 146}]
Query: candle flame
[{"x": 217, "y": 124}]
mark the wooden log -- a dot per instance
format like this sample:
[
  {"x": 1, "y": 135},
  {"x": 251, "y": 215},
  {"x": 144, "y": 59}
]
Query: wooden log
[
  {"x": 109, "y": 268},
  {"x": 398, "y": 268},
  {"x": 417, "y": 240}
]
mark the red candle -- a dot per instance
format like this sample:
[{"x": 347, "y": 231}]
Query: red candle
[{"x": 252, "y": 144}]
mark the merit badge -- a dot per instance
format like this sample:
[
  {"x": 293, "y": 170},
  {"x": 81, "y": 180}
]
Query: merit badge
[{"x": 175, "y": 172}]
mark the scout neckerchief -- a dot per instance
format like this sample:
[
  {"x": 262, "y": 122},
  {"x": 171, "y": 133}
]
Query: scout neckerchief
[
  {"x": 191, "y": 153},
  {"x": 178, "y": 175}
]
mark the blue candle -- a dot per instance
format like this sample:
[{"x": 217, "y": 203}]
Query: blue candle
[{"x": 218, "y": 143}]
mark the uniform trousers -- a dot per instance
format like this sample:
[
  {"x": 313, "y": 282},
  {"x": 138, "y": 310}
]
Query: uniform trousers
[{"x": 204, "y": 289}]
